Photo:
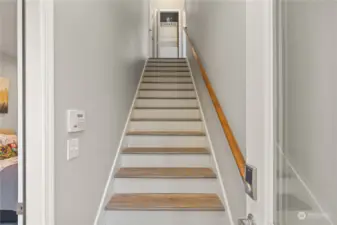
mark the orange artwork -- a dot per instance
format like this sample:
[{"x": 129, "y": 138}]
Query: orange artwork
[{"x": 4, "y": 86}]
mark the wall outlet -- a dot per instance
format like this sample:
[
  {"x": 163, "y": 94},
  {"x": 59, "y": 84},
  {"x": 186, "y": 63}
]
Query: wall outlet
[{"x": 73, "y": 148}]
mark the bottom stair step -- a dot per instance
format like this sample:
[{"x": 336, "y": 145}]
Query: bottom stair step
[{"x": 166, "y": 202}]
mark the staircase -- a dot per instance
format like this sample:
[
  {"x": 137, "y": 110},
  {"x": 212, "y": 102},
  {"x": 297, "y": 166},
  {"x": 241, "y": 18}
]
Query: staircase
[{"x": 166, "y": 172}]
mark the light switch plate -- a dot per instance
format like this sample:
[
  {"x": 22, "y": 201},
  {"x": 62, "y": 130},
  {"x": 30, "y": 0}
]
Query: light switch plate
[{"x": 73, "y": 148}]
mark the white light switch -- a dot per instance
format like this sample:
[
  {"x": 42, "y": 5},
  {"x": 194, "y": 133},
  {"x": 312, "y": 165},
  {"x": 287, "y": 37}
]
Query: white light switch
[
  {"x": 73, "y": 148},
  {"x": 76, "y": 120}
]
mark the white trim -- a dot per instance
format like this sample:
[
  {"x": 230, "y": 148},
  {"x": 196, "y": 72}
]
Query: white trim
[
  {"x": 269, "y": 129},
  {"x": 47, "y": 28},
  {"x": 306, "y": 187},
  {"x": 20, "y": 105},
  {"x": 260, "y": 106},
  {"x": 39, "y": 117},
  {"x": 180, "y": 28},
  {"x": 223, "y": 190},
  {"x": 105, "y": 196}
]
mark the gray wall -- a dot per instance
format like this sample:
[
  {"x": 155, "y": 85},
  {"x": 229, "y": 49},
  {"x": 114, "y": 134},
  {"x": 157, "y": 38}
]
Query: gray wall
[
  {"x": 8, "y": 61},
  {"x": 311, "y": 96},
  {"x": 167, "y": 4},
  {"x": 100, "y": 48},
  {"x": 222, "y": 49},
  {"x": 8, "y": 28}
]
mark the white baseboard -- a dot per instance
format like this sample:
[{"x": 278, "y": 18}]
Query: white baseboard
[
  {"x": 108, "y": 186},
  {"x": 306, "y": 187},
  {"x": 223, "y": 190}
]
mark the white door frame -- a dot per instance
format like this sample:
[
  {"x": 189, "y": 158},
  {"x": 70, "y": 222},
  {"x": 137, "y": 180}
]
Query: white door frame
[
  {"x": 39, "y": 111},
  {"x": 180, "y": 29},
  {"x": 20, "y": 133},
  {"x": 260, "y": 72}
]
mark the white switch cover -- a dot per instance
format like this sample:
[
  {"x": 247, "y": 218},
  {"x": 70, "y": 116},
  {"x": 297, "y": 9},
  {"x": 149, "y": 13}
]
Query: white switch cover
[
  {"x": 76, "y": 120},
  {"x": 73, "y": 148}
]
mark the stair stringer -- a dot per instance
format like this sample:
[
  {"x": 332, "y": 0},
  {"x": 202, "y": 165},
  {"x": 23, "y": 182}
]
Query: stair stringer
[
  {"x": 211, "y": 148},
  {"x": 108, "y": 190}
]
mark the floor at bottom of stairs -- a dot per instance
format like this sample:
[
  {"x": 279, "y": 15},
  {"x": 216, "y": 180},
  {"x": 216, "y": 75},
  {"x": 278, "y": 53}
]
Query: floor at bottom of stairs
[{"x": 166, "y": 218}]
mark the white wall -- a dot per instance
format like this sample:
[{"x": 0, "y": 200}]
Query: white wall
[
  {"x": 8, "y": 64},
  {"x": 311, "y": 96},
  {"x": 100, "y": 48},
  {"x": 8, "y": 28},
  {"x": 167, "y": 4},
  {"x": 222, "y": 48},
  {"x": 259, "y": 106}
]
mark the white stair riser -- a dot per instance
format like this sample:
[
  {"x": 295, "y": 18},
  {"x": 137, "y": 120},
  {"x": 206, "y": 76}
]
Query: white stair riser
[
  {"x": 167, "y": 73},
  {"x": 166, "y": 160},
  {"x": 167, "y": 79},
  {"x": 155, "y": 185},
  {"x": 165, "y": 86},
  {"x": 165, "y": 126},
  {"x": 166, "y": 113},
  {"x": 165, "y": 141},
  {"x": 167, "y": 64},
  {"x": 166, "y": 103},
  {"x": 172, "y": 94},
  {"x": 167, "y": 60},
  {"x": 165, "y": 218},
  {"x": 184, "y": 69}
]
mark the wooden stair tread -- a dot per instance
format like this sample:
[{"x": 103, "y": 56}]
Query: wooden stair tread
[
  {"x": 161, "y": 172},
  {"x": 166, "y": 202},
  {"x": 147, "y": 89},
  {"x": 167, "y": 133},
  {"x": 166, "y": 58},
  {"x": 166, "y": 82},
  {"x": 165, "y": 151},
  {"x": 158, "y": 66},
  {"x": 169, "y": 62},
  {"x": 166, "y": 61},
  {"x": 169, "y": 72},
  {"x": 167, "y": 97},
  {"x": 167, "y": 119},
  {"x": 173, "y": 108},
  {"x": 163, "y": 70},
  {"x": 182, "y": 62},
  {"x": 166, "y": 88},
  {"x": 167, "y": 76}
]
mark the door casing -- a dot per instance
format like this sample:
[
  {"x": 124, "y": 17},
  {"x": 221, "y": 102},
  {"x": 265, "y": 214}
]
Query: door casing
[
  {"x": 38, "y": 89},
  {"x": 155, "y": 31},
  {"x": 260, "y": 119}
]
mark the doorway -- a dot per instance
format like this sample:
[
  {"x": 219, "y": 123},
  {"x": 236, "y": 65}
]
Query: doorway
[
  {"x": 11, "y": 114},
  {"x": 166, "y": 34}
]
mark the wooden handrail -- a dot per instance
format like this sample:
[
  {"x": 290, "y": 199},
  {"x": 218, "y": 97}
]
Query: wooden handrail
[{"x": 233, "y": 144}]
